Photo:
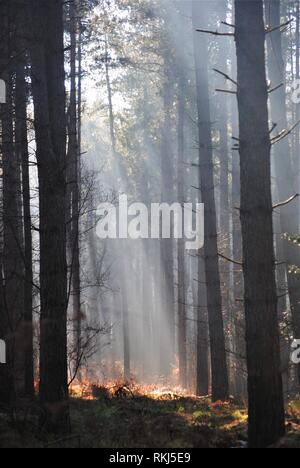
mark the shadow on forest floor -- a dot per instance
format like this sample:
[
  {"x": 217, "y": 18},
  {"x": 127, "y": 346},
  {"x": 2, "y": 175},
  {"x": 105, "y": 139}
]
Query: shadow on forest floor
[
  {"x": 129, "y": 421},
  {"x": 140, "y": 422}
]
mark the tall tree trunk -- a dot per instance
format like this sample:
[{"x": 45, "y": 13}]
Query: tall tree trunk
[
  {"x": 297, "y": 110},
  {"x": 202, "y": 388},
  {"x": 182, "y": 324},
  {"x": 11, "y": 282},
  {"x": 166, "y": 245},
  {"x": 125, "y": 319},
  {"x": 239, "y": 348},
  {"x": 13, "y": 265},
  {"x": 23, "y": 157},
  {"x": 220, "y": 389},
  {"x": 223, "y": 132},
  {"x": 110, "y": 100},
  {"x": 73, "y": 200},
  {"x": 48, "y": 89},
  {"x": 286, "y": 178},
  {"x": 266, "y": 409},
  {"x": 224, "y": 238},
  {"x": 148, "y": 245}
]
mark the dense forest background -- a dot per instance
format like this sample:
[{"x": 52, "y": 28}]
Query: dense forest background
[{"x": 166, "y": 101}]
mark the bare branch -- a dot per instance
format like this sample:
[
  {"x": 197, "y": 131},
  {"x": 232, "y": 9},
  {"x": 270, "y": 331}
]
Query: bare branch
[
  {"x": 283, "y": 25},
  {"x": 230, "y": 260},
  {"x": 278, "y": 137},
  {"x": 225, "y": 91},
  {"x": 228, "y": 24},
  {"x": 227, "y": 77},
  {"x": 284, "y": 134},
  {"x": 279, "y": 205},
  {"x": 274, "y": 125},
  {"x": 215, "y": 33},
  {"x": 275, "y": 88}
]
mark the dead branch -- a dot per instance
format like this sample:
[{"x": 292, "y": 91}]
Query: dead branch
[
  {"x": 274, "y": 125},
  {"x": 275, "y": 88},
  {"x": 227, "y": 77},
  {"x": 228, "y": 24},
  {"x": 286, "y": 202},
  {"x": 283, "y": 25},
  {"x": 230, "y": 260},
  {"x": 284, "y": 134},
  {"x": 218, "y": 90},
  {"x": 280, "y": 135},
  {"x": 215, "y": 33}
]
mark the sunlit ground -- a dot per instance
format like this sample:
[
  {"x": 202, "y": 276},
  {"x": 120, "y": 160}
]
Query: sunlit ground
[
  {"x": 129, "y": 415},
  {"x": 126, "y": 415},
  {"x": 89, "y": 390}
]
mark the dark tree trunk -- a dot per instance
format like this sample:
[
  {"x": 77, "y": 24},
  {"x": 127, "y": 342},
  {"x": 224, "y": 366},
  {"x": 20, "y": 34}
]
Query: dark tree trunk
[
  {"x": 286, "y": 178},
  {"x": 266, "y": 409},
  {"x": 297, "y": 110},
  {"x": 223, "y": 142},
  {"x": 73, "y": 199},
  {"x": 239, "y": 348},
  {"x": 48, "y": 88},
  {"x": 220, "y": 389},
  {"x": 202, "y": 387},
  {"x": 13, "y": 265},
  {"x": 224, "y": 238},
  {"x": 7, "y": 387},
  {"x": 23, "y": 157}
]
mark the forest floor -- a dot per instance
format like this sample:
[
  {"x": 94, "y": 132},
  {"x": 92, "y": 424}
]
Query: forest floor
[{"x": 126, "y": 419}]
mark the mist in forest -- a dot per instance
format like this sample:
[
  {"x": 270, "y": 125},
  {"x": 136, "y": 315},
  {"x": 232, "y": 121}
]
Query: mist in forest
[
  {"x": 149, "y": 215},
  {"x": 130, "y": 136}
]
